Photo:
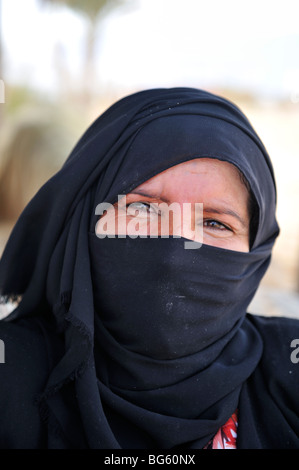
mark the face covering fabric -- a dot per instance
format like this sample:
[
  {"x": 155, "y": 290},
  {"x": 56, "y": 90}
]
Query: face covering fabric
[{"x": 168, "y": 336}]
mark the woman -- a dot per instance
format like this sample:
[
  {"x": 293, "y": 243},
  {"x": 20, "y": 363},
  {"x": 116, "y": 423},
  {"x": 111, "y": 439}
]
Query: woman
[{"x": 123, "y": 337}]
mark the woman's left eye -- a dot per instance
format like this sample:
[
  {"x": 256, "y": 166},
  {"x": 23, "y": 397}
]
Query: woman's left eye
[
  {"x": 215, "y": 225},
  {"x": 140, "y": 208}
]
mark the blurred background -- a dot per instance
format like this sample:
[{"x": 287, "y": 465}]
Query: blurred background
[{"x": 64, "y": 62}]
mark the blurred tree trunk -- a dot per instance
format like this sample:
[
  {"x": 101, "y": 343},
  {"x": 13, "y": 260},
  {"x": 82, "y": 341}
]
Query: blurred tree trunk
[
  {"x": 89, "y": 69},
  {"x": 93, "y": 11}
]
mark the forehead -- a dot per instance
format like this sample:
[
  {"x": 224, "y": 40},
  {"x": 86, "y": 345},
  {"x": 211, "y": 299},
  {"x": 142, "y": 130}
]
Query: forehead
[
  {"x": 198, "y": 166},
  {"x": 197, "y": 175}
]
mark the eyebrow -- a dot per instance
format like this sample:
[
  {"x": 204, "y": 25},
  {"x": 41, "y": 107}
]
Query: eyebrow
[
  {"x": 151, "y": 196},
  {"x": 207, "y": 209}
]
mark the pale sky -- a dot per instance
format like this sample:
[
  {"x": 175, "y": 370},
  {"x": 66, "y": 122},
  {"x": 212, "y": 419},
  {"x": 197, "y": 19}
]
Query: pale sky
[{"x": 253, "y": 45}]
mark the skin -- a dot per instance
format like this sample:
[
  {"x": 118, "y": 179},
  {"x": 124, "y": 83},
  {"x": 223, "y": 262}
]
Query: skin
[{"x": 216, "y": 184}]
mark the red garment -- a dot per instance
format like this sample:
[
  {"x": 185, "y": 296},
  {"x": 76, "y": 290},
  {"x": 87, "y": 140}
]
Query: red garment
[{"x": 226, "y": 437}]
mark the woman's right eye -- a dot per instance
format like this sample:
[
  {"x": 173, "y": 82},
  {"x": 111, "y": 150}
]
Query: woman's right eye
[{"x": 139, "y": 209}]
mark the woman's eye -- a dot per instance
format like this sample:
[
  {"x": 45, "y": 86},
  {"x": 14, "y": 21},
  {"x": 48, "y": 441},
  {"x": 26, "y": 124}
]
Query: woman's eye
[
  {"x": 215, "y": 225},
  {"x": 139, "y": 209}
]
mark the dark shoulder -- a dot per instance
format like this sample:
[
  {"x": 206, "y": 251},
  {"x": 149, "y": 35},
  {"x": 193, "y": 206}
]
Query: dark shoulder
[
  {"x": 29, "y": 349},
  {"x": 269, "y": 405},
  {"x": 27, "y": 343},
  {"x": 276, "y": 331},
  {"x": 280, "y": 336}
]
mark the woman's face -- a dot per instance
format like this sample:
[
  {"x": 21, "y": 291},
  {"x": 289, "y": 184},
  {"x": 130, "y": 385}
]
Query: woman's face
[{"x": 216, "y": 184}]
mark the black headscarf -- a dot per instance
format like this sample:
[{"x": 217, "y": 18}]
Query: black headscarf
[{"x": 161, "y": 366}]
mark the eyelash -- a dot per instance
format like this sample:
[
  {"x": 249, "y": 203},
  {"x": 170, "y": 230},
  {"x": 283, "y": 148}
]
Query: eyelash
[
  {"x": 205, "y": 221},
  {"x": 218, "y": 223}
]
